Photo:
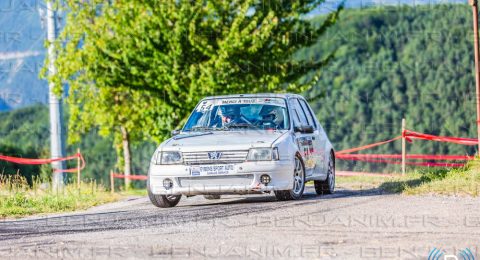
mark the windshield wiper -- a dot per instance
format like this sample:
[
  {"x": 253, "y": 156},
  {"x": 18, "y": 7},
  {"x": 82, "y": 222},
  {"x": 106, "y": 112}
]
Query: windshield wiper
[
  {"x": 242, "y": 125},
  {"x": 202, "y": 128}
]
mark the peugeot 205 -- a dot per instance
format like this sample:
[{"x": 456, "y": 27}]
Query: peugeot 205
[{"x": 244, "y": 144}]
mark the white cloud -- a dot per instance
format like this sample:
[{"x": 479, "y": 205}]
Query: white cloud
[{"x": 19, "y": 55}]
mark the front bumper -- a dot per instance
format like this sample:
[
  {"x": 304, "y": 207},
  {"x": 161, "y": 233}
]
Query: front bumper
[{"x": 243, "y": 179}]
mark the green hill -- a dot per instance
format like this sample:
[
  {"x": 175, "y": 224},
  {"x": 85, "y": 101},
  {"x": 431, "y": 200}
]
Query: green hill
[{"x": 412, "y": 62}]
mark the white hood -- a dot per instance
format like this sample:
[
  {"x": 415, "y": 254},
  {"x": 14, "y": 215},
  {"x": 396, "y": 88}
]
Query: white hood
[{"x": 221, "y": 140}]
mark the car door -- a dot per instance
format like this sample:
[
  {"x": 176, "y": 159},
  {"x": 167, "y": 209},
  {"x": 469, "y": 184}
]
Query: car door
[
  {"x": 305, "y": 141},
  {"x": 319, "y": 140}
]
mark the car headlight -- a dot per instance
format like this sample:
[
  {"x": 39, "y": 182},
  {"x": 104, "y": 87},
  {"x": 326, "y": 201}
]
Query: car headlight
[
  {"x": 263, "y": 154},
  {"x": 168, "y": 158}
]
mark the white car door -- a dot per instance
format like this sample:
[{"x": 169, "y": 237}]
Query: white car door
[
  {"x": 306, "y": 141},
  {"x": 319, "y": 140}
]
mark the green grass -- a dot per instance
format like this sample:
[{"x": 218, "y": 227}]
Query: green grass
[
  {"x": 459, "y": 182},
  {"x": 18, "y": 199}
]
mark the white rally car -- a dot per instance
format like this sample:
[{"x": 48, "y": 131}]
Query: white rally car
[{"x": 244, "y": 144}]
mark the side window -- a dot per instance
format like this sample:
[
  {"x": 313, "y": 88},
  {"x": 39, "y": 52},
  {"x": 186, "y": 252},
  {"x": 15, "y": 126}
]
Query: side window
[
  {"x": 294, "y": 113},
  {"x": 308, "y": 112},
  {"x": 299, "y": 111}
]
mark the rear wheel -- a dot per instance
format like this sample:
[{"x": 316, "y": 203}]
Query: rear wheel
[
  {"x": 163, "y": 201},
  {"x": 328, "y": 185},
  {"x": 298, "y": 183}
]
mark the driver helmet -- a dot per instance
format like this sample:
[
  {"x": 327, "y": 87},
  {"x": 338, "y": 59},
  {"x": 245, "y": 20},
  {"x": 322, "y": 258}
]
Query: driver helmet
[{"x": 273, "y": 113}]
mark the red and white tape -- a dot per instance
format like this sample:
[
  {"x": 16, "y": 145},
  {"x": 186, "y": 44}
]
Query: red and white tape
[
  {"x": 28, "y": 161},
  {"x": 409, "y": 135}
]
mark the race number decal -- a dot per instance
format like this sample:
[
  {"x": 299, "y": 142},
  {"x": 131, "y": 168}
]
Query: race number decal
[{"x": 204, "y": 106}]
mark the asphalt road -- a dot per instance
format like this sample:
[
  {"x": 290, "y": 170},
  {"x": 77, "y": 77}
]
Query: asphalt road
[{"x": 351, "y": 224}]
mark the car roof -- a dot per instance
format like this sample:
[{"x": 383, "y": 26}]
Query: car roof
[{"x": 259, "y": 95}]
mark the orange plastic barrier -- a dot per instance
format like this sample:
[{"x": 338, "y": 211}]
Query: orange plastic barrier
[
  {"x": 409, "y": 135},
  {"x": 28, "y": 161}
]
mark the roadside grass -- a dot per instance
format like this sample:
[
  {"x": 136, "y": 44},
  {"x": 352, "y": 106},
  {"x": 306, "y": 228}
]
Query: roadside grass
[
  {"x": 459, "y": 182},
  {"x": 18, "y": 198},
  {"x": 456, "y": 181}
]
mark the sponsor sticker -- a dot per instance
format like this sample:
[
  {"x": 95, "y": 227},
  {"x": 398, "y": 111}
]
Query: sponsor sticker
[
  {"x": 208, "y": 105},
  {"x": 212, "y": 169},
  {"x": 261, "y": 101}
]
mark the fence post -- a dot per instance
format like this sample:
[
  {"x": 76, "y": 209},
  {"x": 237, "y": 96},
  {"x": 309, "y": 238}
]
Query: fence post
[
  {"x": 112, "y": 182},
  {"x": 78, "y": 168},
  {"x": 404, "y": 144}
]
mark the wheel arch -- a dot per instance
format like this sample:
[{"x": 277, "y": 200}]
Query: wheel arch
[{"x": 299, "y": 155}]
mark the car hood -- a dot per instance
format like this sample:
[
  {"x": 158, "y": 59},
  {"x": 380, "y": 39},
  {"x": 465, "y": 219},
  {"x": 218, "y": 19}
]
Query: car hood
[{"x": 221, "y": 140}]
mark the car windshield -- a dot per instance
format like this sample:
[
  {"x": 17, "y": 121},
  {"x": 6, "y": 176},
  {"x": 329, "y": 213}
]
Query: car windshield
[{"x": 239, "y": 113}]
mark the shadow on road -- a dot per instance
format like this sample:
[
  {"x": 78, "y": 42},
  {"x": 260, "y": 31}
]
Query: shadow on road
[
  {"x": 140, "y": 216},
  {"x": 309, "y": 195}
]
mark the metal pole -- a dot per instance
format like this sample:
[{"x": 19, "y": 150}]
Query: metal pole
[
  {"x": 404, "y": 147},
  {"x": 474, "y": 5},
  {"x": 56, "y": 132},
  {"x": 112, "y": 182},
  {"x": 78, "y": 169}
]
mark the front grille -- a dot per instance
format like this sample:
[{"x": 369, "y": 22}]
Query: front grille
[{"x": 197, "y": 158}]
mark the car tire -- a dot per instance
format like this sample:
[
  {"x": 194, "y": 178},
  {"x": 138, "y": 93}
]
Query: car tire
[
  {"x": 328, "y": 185},
  {"x": 298, "y": 183},
  {"x": 212, "y": 197},
  {"x": 163, "y": 201}
]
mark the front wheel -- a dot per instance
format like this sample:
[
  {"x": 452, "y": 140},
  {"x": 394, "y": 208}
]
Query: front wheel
[
  {"x": 328, "y": 185},
  {"x": 298, "y": 183},
  {"x": 163, "y": 201}
]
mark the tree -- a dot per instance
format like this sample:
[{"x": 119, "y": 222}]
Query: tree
[
  {"x": 405, "y": 64},
  {"x": 137, "y": 68}
]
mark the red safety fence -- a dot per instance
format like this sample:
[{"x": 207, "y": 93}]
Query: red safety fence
[
  {"x": 456, "y": 140},
  {"x": 428, "y": 164},
  {"x": 114, "y": 176},
  {"x": 350, "y": 174},
  {"x": 27, "y": 161},
  {"x": 396, "y": 158},
  {"x": 408, "y": 156},
  {"x": 130, "y": 177},
  {"x": 365, "y": 147}
]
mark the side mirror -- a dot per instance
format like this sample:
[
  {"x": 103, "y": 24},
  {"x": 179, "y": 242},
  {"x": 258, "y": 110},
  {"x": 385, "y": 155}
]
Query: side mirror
[
  {"x": 175, "y": 132},
  {"x": 304, "y": 129}
]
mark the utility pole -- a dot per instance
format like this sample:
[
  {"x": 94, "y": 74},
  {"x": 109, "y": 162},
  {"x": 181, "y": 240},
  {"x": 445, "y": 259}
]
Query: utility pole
[
  {"x": 474, "y": 5},
  {"x": 404, "y": 148},
  {"x": 57, "y": 147}
]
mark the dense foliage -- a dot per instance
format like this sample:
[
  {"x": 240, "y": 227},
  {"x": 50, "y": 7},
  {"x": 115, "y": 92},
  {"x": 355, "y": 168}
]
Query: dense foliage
[
  {"x": 24, "y": 133},
  {"x": 412, "y": 62}
]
